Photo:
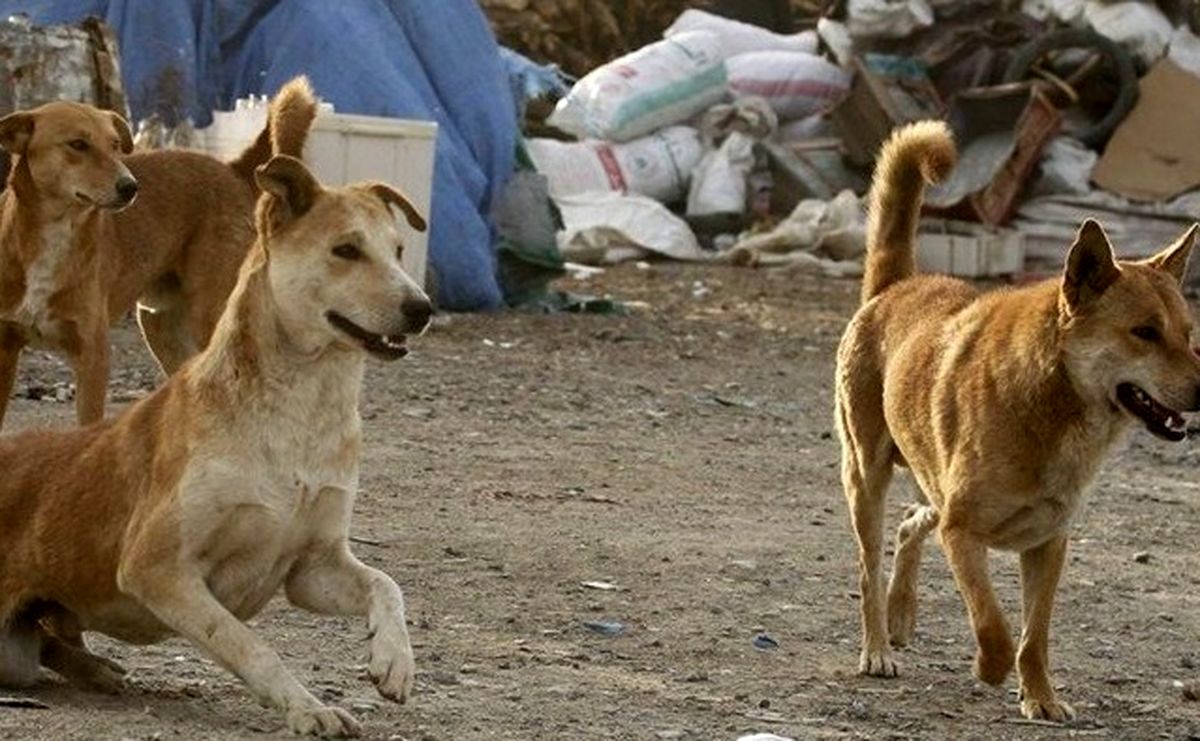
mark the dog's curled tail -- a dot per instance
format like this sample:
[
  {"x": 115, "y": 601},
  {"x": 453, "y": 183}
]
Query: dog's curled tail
[
  {"x": 916, "y": 154},
  {"x": 289, "y": 118}
]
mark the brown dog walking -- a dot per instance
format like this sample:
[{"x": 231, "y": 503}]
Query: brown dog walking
[{"x": 1002, "y": 405}]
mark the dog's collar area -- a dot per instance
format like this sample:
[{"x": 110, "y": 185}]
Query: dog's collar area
[
  {"x": 384, "y": 347},
  {"x": 1160, "y": 420}
]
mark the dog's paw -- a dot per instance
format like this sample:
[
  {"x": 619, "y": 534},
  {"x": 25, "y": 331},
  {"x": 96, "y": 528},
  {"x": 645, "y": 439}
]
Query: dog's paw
[
  {"x": 1051, "y": 709},
  {"x": 993, "y": 668},
  {"x": 323, "y": 721},
  {"x": 84, "y": 669},
  {"x": 995, "y": 658},
  {"x": 391, "y": 665},
  {"x": 878, "y": 663},
  {"x": 102, "y": 678}
]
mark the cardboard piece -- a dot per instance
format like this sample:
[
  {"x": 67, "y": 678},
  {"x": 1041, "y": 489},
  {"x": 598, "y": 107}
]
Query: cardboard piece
[{"x": 1153, "y": 156}]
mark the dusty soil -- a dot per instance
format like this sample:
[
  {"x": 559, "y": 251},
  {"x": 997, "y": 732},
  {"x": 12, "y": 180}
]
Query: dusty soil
[{"x": 684, "y": 454}]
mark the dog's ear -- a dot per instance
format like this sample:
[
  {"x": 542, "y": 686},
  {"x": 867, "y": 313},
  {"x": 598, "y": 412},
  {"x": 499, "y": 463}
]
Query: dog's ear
[
  {"x": 1174, "y": 259},
  {"x": 122, "y": 128},
  {"x": 393, "y": 197},
  {"x": 1091, "y": 266},
  {"x": 15, "y": 131},
  {"x": 293, "y": 187}
]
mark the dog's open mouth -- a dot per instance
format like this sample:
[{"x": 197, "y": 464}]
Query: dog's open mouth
[
  {"x": 382, "y": 346},
  {"x": 1159, "y": 419}
]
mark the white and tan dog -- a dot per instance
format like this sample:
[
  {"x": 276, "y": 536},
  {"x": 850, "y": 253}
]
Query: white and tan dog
[
  {"x": 1002, "y": 405},
  {"x": 189, "y": 511}
]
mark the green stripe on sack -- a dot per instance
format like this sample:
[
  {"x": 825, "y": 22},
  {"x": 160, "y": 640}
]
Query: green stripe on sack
[{"x": 644, "y": 105}]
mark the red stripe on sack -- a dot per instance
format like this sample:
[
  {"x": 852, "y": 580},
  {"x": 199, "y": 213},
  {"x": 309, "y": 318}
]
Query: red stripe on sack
[
  {"x": 774, "y": 88},
  {"x": 612, "y": 168}
]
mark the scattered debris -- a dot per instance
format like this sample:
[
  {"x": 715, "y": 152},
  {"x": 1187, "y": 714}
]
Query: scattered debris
[
  {"x": 605, "y": 627},
  {"x": 1001, "y": 132},
  {"x": 968, "y": 249},
  {"x": 764, "y": 642},
  {"x": 887, "y": 91},
  {"x": 23, "y": 702},
  {"x": 1145, "y": 160},
  {"x": 603, "y": 586},
  {"x": 1141, "y": 557}
]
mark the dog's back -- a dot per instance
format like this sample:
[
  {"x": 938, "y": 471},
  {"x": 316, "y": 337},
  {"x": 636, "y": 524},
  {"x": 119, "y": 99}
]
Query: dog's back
[{"x": 178, "y": 248}]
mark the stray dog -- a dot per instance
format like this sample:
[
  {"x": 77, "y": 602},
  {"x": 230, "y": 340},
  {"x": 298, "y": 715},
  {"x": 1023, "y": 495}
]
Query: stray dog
[
  {"x": 75, "y": 255},
  {"x": 188, "y": 512},
  {"x": 1002, "y": 405}
]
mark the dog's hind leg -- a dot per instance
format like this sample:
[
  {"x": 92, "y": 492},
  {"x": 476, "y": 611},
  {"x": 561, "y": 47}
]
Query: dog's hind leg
[
  {"x": 19, "y": 648},
  {"x": 64, "y": 652},
  {"x": 11, "y": 344},
  {"x": 165, "y": 334},
  {"x": 1041, "y": 568},
  {"x": 80, "y": 667},
  {"x": 867, "y": 455},
  {"x": 919, "y": 521}
]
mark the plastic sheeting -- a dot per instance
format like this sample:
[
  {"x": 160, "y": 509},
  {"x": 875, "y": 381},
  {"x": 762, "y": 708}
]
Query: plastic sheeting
[{"x": 426, "y": 59}]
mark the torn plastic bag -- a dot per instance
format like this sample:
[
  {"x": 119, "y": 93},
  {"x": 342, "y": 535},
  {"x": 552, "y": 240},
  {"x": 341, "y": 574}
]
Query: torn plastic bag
[
  {"x": 609, "y": 227},
  {"x": 719, "y": 181},
  {"x": 737, "y": 37},
  {"x": 891, "y": 19}
]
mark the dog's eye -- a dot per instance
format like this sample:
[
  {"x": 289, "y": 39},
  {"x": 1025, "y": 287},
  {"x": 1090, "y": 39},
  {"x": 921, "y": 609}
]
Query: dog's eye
[
  {"x": 79, "y": 145},
  {"x": 347, "y": 252},
  {"x": 1147, "y": 333}
]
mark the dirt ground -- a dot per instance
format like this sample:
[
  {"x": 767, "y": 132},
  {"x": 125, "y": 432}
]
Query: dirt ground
[{"x": 684, "y": 454}]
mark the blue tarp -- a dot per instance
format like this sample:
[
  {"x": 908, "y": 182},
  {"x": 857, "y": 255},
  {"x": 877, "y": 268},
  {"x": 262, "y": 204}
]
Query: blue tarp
[{"x": 424, "y": 59}]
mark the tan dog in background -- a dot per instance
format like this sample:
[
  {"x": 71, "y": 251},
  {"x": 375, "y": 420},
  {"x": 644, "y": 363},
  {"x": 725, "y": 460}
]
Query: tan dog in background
[
  {"x": 1002, "y": 405},
  {"x": 72, "y": 262},
  {"x": 189, "y": 511}
]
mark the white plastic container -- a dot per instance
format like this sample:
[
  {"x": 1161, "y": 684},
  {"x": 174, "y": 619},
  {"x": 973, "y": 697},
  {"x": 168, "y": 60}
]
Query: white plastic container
[
  {"x": 969, "y": 250},
  {"x": 344, "y": 148}
]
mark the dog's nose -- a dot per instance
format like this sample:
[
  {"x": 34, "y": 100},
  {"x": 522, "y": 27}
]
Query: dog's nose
[
  {"x": 127, "y": 188},
  {"x": 416, "y": 313}
]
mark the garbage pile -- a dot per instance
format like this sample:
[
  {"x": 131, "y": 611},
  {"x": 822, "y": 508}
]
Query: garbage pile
[
  {"x": 580, "y": 35},
  {"x": 727, "y": 141}
]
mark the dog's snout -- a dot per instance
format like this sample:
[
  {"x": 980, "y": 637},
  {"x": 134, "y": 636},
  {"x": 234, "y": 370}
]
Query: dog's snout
[
  {"x": 127, "y": 188},
  {"x": 417, "y": 312}
]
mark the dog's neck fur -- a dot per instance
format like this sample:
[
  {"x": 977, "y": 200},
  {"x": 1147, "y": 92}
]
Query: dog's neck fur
[
  {"x": 251, "y": 353},
  {"x": 1047, "y": 389},
  {"x": 37, "y": 237}
]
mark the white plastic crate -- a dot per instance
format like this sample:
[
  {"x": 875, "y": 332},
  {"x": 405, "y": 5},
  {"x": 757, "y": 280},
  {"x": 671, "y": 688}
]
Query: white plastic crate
[
  {"x": 344, "y": 148},
  {"x": 969, "y": 250}
]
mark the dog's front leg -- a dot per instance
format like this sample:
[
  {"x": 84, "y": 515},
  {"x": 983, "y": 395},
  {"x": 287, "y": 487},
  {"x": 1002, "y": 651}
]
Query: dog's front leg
[
  {"x": 11, "y": 344},
  {"x": 332, "y": 581},
  {"x": 1041, "y": 568},
  {"x": 183, "y": 602},
  {"x": 967, "y": 556},
  {"x": 90, "y": 363}
]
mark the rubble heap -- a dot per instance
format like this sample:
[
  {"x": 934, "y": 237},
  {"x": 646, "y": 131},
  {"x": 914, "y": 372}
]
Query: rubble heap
[{"x": 580, "y": 35}]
